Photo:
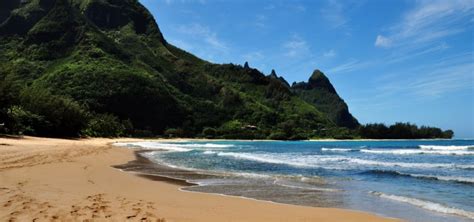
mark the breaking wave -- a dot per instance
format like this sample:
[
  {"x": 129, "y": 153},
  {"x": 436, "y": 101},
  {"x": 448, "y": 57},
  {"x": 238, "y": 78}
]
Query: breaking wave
[
  {"x": 420, "y": 151},
  {"x": 333, "y": 162},
  {"x": 428, "y": 205},
  {"x": 450, "y": 147},
  {"x": 465, "y": 180},
  {"x": 337, "y": 149}
]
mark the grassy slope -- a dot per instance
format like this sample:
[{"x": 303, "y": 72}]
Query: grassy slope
[{"x": 111, "y": 58}]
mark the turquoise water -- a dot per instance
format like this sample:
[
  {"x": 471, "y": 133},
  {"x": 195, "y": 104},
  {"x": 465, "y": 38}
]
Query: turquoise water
[{"x": 417, "y": 180}]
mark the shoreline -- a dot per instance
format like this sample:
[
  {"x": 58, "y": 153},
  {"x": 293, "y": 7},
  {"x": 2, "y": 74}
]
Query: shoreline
[
  {"x": 185, "y": 183},
  {"x": 55, "y": 179},
  {"x": 269, "y": 140}
]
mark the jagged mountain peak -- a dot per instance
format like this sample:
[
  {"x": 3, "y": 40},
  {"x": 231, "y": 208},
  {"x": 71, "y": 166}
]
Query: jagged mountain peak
[
  {"x": 19, "y": 16},
  {"x": 319, "y": 80},
  {"x": 110, "y": 56},
  {"x": 114, "y": 14},
  {"x": 321, "y": 93},
  {"x": 273, "y": 75}
]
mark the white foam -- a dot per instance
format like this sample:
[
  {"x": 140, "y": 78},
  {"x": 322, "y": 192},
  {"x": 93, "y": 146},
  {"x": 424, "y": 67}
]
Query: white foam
[
  {"x": 428, "y": 205},
  {"x": 314, "y": 179},
  {"x": 433, "y": 177},
  {"x": 450, "y": 147},
  {"x": 336, "y": 149},
  {"x": 417, "y": 151},
  {"x": 251, "y": 175},
  {"x": 176, "y": 147},
  {"x": 444, "y": 178},
  {"x": 213, "y": 145},
  {"x": 333, "y": 162},
  {"x": 266, "y": 158},
  {"x": 296, "y": 160},
  {"x": 409, "y": 165},
  {"x": 298, "y": 178},
  {"x": 303, "y": 187}
]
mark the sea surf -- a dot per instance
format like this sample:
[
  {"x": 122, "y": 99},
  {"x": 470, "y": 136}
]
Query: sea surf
[{"x": 415, "y": 180}]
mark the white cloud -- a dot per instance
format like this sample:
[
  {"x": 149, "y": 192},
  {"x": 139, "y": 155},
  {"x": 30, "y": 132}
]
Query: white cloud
[
  {"x": 269, "y": 7},
  {"x": 181, "y": 44},
  {"x": 299, "y": 8},
  {"x": 430, "y": 21},
  {"x": 203, "y": 32},
  {"x": 253, "y": 56},
  {"x": 382, "y": 41},
  {"x": 260, "y": 21},
  {"x": 296, "y": 47},
  {"x": 286, "y": 5},
  {"x": 329, "y": 54},
  {"x": 334, "y": 14},
  {"x": 412, "y": 52},
  {"x": 201, "y": 41},
  {"x": 449, "y": 74},
  {"x": 444, "y": 80},
  {"x": 351, "y": 65}
]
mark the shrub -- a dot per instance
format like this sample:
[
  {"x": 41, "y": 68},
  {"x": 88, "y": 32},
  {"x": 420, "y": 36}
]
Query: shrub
[
  {"x": 402, "y": 131},
  {"x": 298, "y": 136},
  {"x": 231, "y": 127},
  {"x": 173, "y": 132},
  {"x": 142, "y": 133},
  {"x": 209, "y": 132},
  {"x": 448, "y": 134},
  {"x": 64, "y": 116},
  {"x": 22, "y": 121},
  {"x": 278, "y": 136},
  {"x": 104, "y": 125}
]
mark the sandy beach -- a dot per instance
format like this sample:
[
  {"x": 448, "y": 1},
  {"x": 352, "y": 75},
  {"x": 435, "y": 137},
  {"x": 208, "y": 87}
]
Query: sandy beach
[{"x": 45, "y": 179}]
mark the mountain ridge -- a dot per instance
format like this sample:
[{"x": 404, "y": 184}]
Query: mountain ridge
[
  {"x": 319, "y": 91},
  {"x": 103, "y": 68}
]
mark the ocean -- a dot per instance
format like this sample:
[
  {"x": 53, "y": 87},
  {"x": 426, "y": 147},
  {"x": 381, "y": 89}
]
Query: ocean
[{"x": 415, "y": 180}]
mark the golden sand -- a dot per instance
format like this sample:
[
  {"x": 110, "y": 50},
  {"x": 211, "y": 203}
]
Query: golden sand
[{"x": 45, "y": 179}]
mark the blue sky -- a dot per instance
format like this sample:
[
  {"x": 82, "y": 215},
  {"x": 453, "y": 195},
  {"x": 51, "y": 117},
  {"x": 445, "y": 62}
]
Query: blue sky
[{"x": 390, "y": 60}]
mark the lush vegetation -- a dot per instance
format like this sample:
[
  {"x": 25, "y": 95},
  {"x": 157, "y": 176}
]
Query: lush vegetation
[
  {"x": 402, "y": 131},
  {"x": 102, "y": 68},
  {"x": 321, "y": 93}
]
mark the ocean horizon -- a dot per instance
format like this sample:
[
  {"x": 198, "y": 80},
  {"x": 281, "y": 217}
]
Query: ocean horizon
[{"x": 415, "y": 180}]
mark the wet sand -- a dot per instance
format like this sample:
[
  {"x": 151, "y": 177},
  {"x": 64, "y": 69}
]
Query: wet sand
[{"x": 45, "y": 179}]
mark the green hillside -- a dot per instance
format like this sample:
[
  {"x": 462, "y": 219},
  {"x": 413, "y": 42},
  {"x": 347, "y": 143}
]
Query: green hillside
[
  {"x": 320, "y": 92},
  {"x": 102, "y": 68}
]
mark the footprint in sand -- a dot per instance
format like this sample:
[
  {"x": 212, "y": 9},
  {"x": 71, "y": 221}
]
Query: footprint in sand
[{"x": 96, "y": 207}]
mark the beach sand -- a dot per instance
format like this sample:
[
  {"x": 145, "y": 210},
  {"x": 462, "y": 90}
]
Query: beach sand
[{"x": 45, "y": 179}]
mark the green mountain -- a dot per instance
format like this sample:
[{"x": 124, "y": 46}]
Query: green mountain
[
  {"x": 320, "y": 92},
  {"x": 103, "y": 68}
]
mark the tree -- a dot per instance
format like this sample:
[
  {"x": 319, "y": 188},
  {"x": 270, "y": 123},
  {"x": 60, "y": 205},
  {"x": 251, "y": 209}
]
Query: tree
[
  {"x": 209, "y": 132},
  {"x": 402, "y": 131},
  {"x": 104, "y": 125},
  {"x": 23, "y": 122},
  {"x": 64, "y": 117},
  {"x": 448, "y": 134},
  {"x": 174, "y": 132}
]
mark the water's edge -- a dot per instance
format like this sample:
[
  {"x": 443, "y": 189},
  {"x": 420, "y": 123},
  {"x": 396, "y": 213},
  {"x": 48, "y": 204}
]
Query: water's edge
[
  {"x": 145, "y": 168},
  {"x": 322, "y": 191}
]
